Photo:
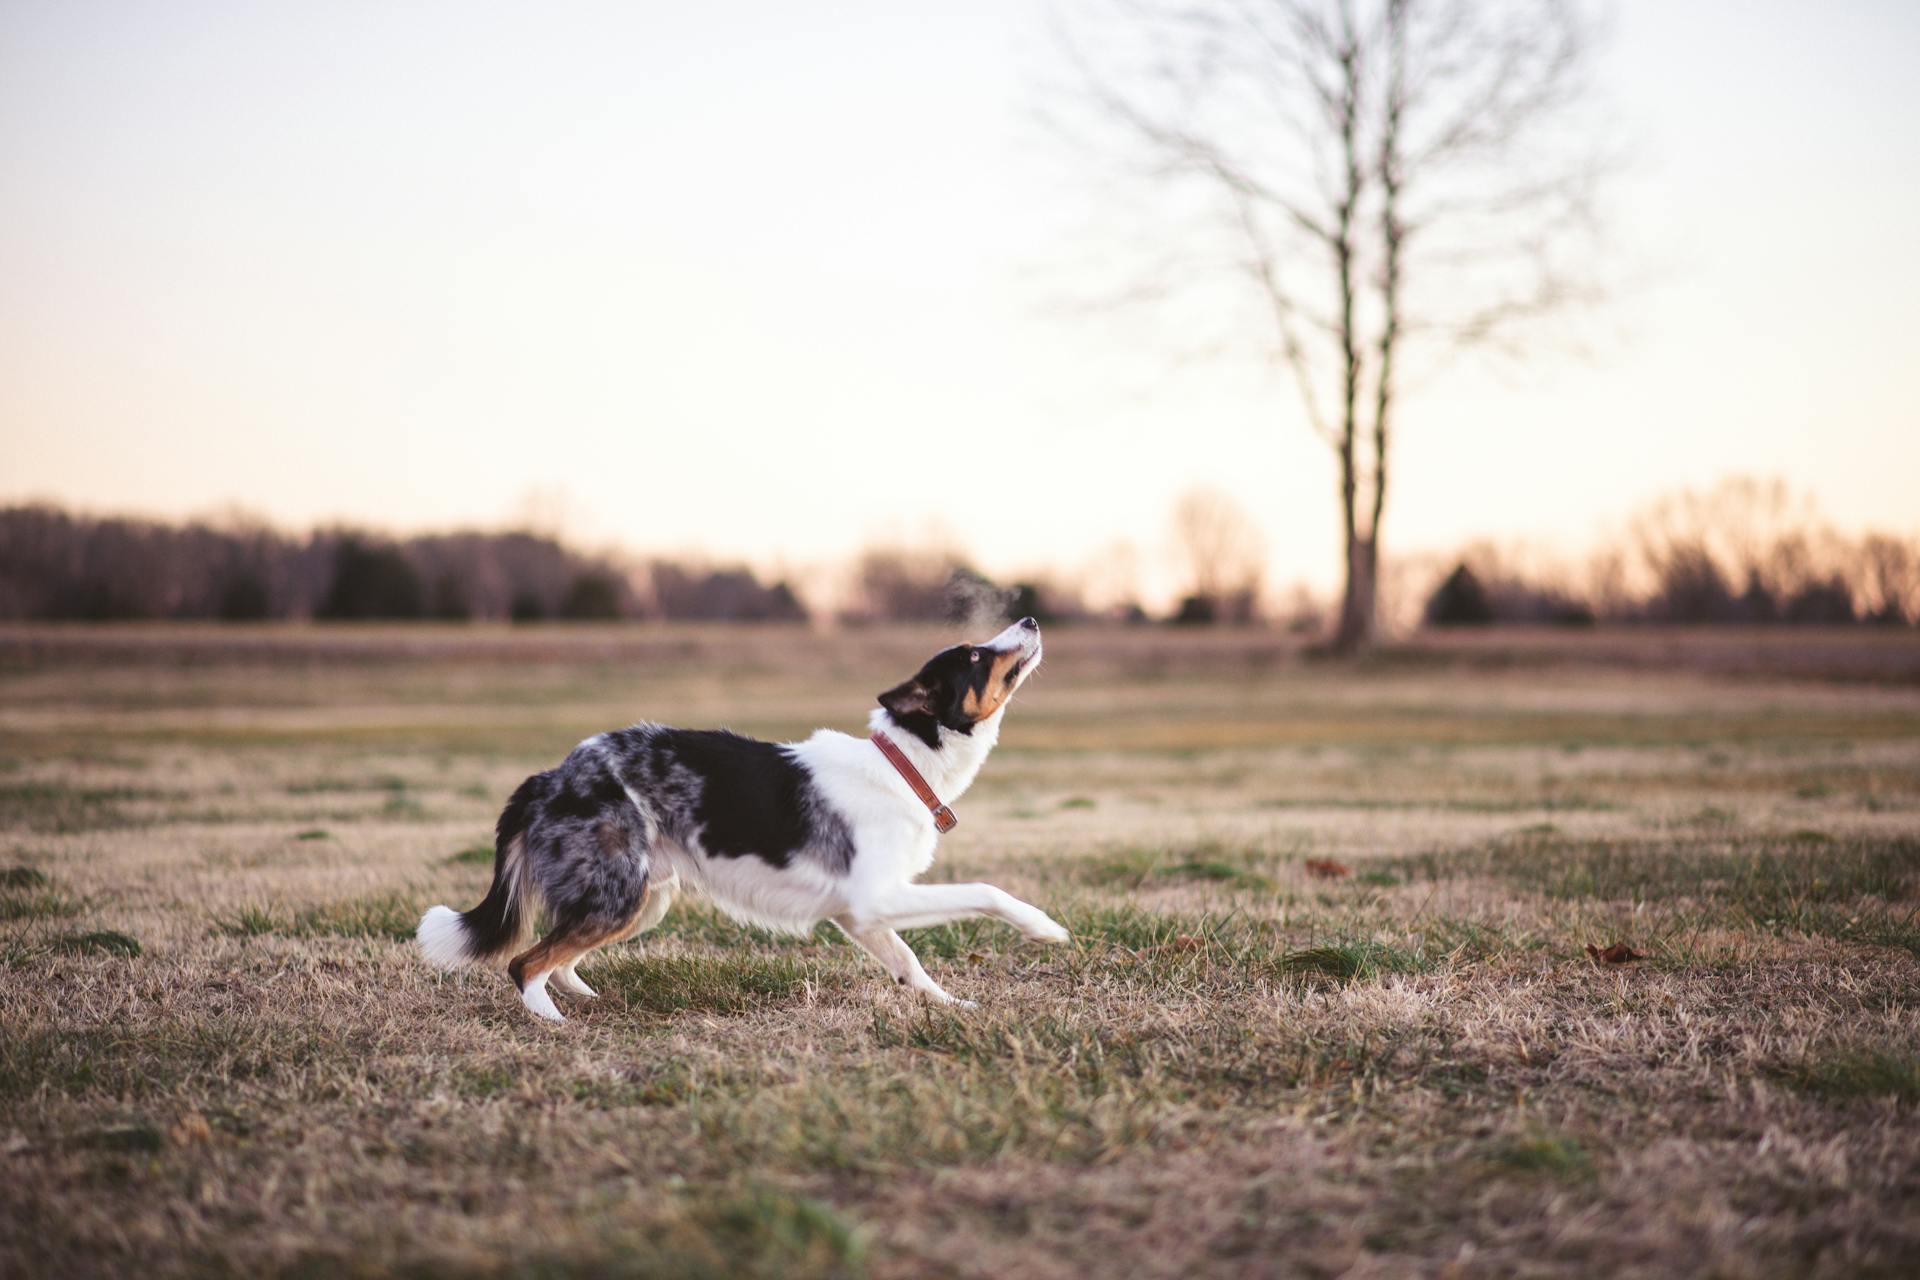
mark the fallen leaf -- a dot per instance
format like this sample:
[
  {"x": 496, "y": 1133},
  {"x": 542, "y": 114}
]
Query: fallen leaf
[
  {"x": 1185, "y": 942},
  {"x": 1618, "y": 953},
  {"x": 976, "y": 957},
  {"x": 1327, "y": 868}
]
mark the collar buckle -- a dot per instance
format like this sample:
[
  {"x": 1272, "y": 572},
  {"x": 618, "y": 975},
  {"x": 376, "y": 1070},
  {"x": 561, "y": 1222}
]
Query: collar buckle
[{"x": 943, "y": 819}]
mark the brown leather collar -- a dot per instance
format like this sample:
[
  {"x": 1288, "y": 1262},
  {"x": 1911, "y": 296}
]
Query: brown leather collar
[{"x": 943, "y": 819}]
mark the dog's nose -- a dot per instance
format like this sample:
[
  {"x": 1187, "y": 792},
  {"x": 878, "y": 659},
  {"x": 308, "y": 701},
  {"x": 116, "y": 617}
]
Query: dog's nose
[{"x": 1029, "y": 624}]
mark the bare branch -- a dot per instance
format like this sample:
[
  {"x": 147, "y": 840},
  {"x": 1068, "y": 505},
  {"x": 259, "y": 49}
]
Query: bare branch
[
  {"x": 1397, "y": 175},
  {"x": 1284, "y": 311}
]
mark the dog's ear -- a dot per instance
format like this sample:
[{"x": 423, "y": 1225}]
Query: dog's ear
[{"x": 909, "y": 699}]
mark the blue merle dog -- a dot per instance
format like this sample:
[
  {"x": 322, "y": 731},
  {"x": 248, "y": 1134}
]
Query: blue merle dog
[{"x": 781, "y": 835}]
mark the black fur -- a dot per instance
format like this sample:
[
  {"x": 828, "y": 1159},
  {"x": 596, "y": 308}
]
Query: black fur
[
  {"x": 934, "y": 699},
  {"x": 497, "y": 923},
  {"x": 753, "y": 797}
]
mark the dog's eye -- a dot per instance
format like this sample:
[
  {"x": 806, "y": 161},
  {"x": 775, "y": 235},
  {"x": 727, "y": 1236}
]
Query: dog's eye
[{"x": 974, "y": 656}]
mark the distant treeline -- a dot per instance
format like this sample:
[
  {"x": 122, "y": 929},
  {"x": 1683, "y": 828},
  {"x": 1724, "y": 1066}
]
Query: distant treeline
[
  {"x": 58, "y": 566},
  {"x": 1744, "y": 553}
]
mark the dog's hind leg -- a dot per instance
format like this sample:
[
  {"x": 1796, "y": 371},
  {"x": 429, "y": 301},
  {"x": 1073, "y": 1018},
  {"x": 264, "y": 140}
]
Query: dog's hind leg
[
  {"x": 892, "y": 951},
  {"x": 660, "y": 893},
  {"x": 554, "y": 957},
  {"x": 594, "y": 881},
  {"x": 531, "y": 969},
  {"x": 653, "y": 909},
  {"x": 567, "y": 979}
]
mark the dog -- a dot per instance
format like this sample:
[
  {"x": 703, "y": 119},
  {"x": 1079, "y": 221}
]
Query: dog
[{"x": 779, "y": 835}]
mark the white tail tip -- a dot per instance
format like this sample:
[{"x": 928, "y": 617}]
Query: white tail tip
[{"x": 443, "y": 937}]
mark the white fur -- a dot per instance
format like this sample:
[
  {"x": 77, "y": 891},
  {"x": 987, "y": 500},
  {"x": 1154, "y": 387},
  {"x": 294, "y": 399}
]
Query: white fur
[
  {"x": 534, "y": 994},
  {"x": 442, "y": 939},
  {"x": 568, "y": 980}
]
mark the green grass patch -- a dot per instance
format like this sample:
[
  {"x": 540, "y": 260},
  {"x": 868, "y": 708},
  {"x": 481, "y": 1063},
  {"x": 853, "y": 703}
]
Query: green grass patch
[
  {"x": 959, "y": 939},
  {"x": 1444, "y": 804},
  {"x": 132, "y": 1139},
  {"x": 1851, "y": 1074},
  {"x": 1762, "y": 875},
  {"x": 14, "y": 879},
  {"x": 346, "y": 786},
  {"x": 1133, "y": 929},
  {"x": 774, "y": 1234},
  {"x": 759, "y": 1233},
  {"x": 930, "y": 1110},
  {"x": 300, "y": 1061},
  {"x": 384, "y": 915},
  {"x": 99, "y": 942},
  {"x": 1350, "y": 961},
  {"x": 1231, "y": 954},
  {"x": 1856, "y": 890},
  {"x": 731, "y": 983},
  {"x": 51, "y": 807},
  {"x": 1138, "y": 867},
  {"x": 402, "y": 806},
  {"x": 476, "y": 855},
  {"x": 1450, "y": 940},
  {"x": 40, "y": 902},
  {"x": 312, "y": 833},
  {"x": 1548, "y": 1155}
]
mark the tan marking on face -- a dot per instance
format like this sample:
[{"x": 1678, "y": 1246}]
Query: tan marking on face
[{"x": 978, "y": 706}]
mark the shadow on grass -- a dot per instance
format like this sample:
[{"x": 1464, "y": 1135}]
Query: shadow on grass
[{"x": 729, "y": 983}]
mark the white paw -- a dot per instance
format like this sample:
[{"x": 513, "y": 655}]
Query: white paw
[
  {"x": 939, "y": 996},
  {"x": 570, "y": 982},
  {"x": 540, "y": 1004},
  {"x": 1045, "y": 929}
]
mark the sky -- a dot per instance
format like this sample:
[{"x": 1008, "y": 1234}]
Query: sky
[{"x": 771, "y": 281}]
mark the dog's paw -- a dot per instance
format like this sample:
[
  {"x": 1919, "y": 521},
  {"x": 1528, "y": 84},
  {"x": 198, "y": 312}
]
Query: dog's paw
[
  {"x": 1046, "y": 929},
  {"x": 540, "y": 1004}
]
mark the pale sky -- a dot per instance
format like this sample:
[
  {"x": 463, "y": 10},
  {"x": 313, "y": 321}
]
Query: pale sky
[{"x": 772, "y": 279}]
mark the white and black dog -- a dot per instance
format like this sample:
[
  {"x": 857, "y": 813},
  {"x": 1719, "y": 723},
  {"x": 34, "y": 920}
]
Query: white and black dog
[{"x": 781, "y": 835}]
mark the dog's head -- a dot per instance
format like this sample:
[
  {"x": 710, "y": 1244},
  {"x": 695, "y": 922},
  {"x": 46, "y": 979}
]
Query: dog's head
[{"x": 960, "y": 687}]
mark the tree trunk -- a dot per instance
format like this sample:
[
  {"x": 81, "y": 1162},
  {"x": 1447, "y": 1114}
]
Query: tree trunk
[{"x": 1357, "y": 604}]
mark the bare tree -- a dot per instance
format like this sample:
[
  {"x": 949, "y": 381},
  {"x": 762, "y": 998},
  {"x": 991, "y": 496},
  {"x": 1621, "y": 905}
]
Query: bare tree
[
  {"x": 1889, "y": 578},
  {"x": 1379, "y": 176},
  {"x": 1225, "y": 555}
]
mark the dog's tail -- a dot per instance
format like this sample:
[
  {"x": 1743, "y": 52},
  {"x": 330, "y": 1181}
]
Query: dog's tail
[{"x": 504, "y": 918}]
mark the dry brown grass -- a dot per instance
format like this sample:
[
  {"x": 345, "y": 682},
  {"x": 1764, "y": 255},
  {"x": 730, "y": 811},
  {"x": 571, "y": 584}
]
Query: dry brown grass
[{"x": 218, "y": 1053}]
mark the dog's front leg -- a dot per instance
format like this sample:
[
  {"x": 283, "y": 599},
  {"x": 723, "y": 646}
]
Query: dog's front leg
[
  {"x": 916, "y": 906},
  {"x": 892, "y": 951}
]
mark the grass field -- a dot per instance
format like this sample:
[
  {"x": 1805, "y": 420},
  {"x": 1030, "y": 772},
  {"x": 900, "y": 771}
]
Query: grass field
[{"x": 219, "y": 1053}]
